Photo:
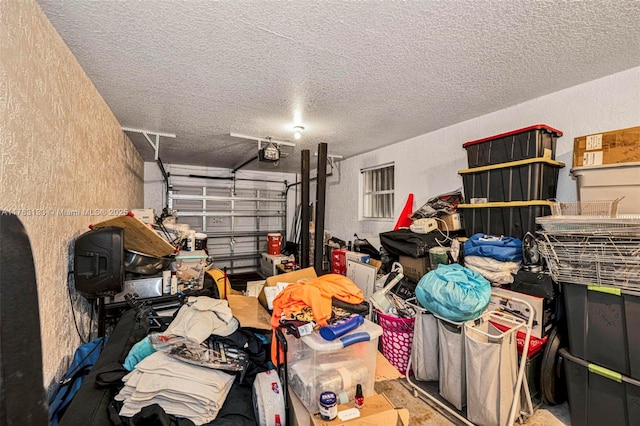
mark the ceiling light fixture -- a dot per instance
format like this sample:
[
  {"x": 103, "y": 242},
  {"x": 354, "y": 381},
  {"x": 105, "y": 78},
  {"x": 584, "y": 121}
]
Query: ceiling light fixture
[{"x": 297, "y": 131}]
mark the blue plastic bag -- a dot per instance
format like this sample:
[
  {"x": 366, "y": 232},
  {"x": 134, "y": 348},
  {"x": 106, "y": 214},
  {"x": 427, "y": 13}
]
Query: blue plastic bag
[
  {"x": 454, "y": 292},
  {"x": 505, "y": 249}
]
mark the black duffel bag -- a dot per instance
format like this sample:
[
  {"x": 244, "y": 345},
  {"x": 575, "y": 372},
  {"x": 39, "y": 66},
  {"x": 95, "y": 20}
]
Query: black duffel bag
[{"x": 405, "y": 242}]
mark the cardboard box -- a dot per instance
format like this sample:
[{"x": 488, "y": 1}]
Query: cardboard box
[
  {"x": 452, "y": 222},
  {"x": 148, "y": 216},
  {"x": 543, "y": 309},
  {"x": 249, "y": 312},
  {"x": 376, "y": 263},
  {"x": 254, "y": 288},
  {"x": 415, "y": 268},
  {"x": 377, "y": 411},
  {"x": 618, "y": 146},
  {"x": 289, "y": 277}
]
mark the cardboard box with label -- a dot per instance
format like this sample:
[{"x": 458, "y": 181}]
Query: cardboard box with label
[
  {"x": 415, "y": 268},
  {"x": 289, "y": 277},
  {"x": 618, "y": 146},
  {"x": 450, "y": 222},
  {"x": 377, "y": 411},
  {"x": 543, "y": 309}
]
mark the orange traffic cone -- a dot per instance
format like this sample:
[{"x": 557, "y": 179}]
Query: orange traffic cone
[{"x": 404, "y": 221}]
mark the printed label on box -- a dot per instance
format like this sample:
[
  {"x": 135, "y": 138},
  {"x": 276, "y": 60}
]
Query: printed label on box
[
  {"x": 594, "y": 142},
  {"x": 593, "y": 158}
]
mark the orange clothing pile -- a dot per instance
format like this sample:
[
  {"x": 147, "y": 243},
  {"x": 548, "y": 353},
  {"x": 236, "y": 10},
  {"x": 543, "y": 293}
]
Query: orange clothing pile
[{"x": 315, "y": 293}]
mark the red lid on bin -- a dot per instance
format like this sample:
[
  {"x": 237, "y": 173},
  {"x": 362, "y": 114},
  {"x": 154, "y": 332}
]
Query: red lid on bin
[{"x": 557, "y": 133}]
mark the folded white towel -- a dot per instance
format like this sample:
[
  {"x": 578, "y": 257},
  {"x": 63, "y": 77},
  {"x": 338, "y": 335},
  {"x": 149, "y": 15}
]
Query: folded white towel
[
  {"x": 181, "y": 389},
  {"x": 196, "y": 412},
  {"x": 202, "y": 316},
  {"x": 198, "y": 406},
  {"x": 161, "y": 363},
  {"x": 155, "y": 383}
]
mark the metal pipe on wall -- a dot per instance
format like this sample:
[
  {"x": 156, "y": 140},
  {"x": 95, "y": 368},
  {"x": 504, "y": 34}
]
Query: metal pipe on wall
[
  {"x": 304, "y": 223},
  {"x": 321, "y": 189}
]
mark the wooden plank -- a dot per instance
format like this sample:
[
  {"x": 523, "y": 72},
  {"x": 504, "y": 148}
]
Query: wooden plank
[{"x": 139, "y": 237}]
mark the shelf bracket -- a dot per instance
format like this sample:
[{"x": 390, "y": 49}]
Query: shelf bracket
[
  {"x": 261, "y": 140},
  {"x": 146, "y": 133},
  {"x": 332, "y": 161}
]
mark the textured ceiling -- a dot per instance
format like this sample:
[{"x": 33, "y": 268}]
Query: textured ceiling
[{"x": 357, "y": 75}]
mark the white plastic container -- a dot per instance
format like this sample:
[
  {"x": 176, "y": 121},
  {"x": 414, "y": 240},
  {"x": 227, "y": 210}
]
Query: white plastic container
[
  {"x": 316, "y": 365},
  {"x": 609, "y": 182},
  {"x": 269, "y": 263}
]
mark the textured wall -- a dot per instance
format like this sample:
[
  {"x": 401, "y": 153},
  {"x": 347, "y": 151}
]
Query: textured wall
[
  {"x": 427, "y": 165},
  {"x": 62, "y": 154}
]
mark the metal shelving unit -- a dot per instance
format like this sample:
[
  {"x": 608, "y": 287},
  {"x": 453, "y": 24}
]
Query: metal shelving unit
[{"x": 236, "y": 219}]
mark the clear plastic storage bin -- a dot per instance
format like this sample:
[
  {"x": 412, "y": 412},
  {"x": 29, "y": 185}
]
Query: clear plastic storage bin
[
  {"x": 190, "y": 267},
  {"x": 316, "y": 365}
]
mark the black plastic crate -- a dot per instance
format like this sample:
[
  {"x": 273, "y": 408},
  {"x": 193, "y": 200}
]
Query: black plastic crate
[
  {"x": 529, "y": 142},
  {"x": 524, "y": 180},
  {"x": 604, "y": 326},
  {"x": 598, "y": 396},
  {"x": 513, "y": 219}
]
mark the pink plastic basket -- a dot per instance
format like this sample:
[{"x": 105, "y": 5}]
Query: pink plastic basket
[{"x": 397, "y": 336}]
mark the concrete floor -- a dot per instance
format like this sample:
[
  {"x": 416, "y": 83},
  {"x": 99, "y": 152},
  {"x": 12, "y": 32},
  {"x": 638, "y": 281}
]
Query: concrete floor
[{"x": 400, "y": 392}]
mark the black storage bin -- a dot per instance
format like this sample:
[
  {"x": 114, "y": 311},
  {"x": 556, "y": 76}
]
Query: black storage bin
[
  {"x": 524, "y": 180},
  {"x": 604, "y": 326},
  {"x": 530, "y": 142},
  {"x": 598, "y": 396},
  {"x": 513, "y": 219}
]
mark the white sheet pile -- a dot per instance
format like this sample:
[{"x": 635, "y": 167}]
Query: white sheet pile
[
  {"x": 181, "y": 389},
  {"x": 202, "y": 316},
  {"x": 496, "y": 271}
]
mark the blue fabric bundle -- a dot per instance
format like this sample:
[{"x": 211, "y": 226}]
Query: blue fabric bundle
[
  {"x": 454, "y": 292},
  {"x": 138, "y": 352},
  {"x": 505, "y": 249}
]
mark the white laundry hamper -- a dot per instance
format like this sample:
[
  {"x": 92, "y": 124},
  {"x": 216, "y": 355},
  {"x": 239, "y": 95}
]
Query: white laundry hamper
[
  {"x": 424, "y": 348},
  {"x": 451, "y": 362},
  {"x": 491, "y": 368}
]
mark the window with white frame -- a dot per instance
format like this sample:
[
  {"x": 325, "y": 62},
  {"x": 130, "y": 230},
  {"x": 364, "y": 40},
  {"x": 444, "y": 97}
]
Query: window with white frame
[{"x": 377, "y": 192}]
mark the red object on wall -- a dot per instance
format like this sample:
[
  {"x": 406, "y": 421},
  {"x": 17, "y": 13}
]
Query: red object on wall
[{"x": 404, "y": 221}]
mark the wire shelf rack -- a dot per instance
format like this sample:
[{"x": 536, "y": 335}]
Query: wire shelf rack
[
  {"x": 606, "y": 260},
  {"x": 623, "y": 225},
  {"x": 596, "y": 208}
]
